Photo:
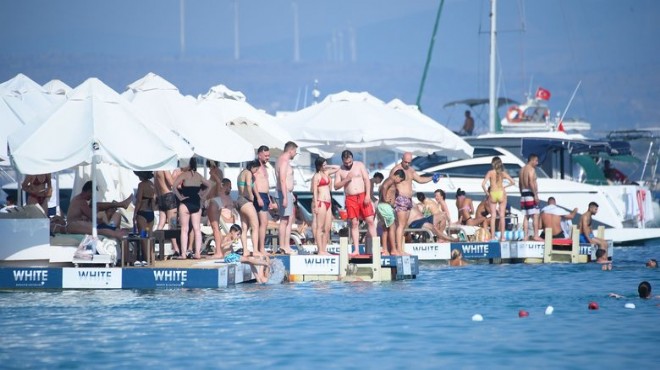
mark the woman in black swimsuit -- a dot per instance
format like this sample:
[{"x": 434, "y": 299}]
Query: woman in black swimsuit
[
  {"x": 190, "y": 194},
  {"x": 143, "y": 216}
]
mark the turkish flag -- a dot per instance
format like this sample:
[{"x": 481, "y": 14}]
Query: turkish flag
[
  {"x": 542, "y": 94},
  {"x": 560, "y": 127}
]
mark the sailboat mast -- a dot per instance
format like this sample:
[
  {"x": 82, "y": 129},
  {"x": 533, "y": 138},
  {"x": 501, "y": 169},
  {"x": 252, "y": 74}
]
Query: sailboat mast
[{"x": 491, "y": 83}]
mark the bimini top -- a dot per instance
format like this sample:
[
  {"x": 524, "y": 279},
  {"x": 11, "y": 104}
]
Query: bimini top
[{"x": 573, "y": 146}]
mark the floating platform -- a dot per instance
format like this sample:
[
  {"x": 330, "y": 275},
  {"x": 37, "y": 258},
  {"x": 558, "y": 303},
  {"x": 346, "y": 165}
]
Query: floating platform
[
  {"x": 548, "y": 251},
  {"x": 207, "y": 273}
]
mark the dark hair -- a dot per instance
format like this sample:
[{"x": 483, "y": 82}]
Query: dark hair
[
  {"x": 593, "y": 204},
  {"x": 144, "y": 175},
  {"x": 644, "y": 289},
  {"x": 87, "y": 186},
  {"x": 211, "y": 163},
  {"x": 346, "y": 154},
  {"x": 252, "y": 164},
  {"x": 379, "y": 175},
  {"x": 442, "y": 193},
  {"x": 226, "y": 181},
  {"x": 318, "y": 163},
  {"x": 532, "y": 156},
  {"x": 192, "y": 164},
  {"x": 460, "y": 192},
  {"x": 400, "y": 173},
  {"x": 263, "y": 148},
  {"x": 235, "y": 228},
  {"x": 551, "y": 199},
  {"x": 600, "y": 253},
  {"x": 420, "y": 196},
  {"x": 11, "y": 198}
]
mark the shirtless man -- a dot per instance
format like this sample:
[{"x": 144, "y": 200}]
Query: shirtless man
[
  {"x": 385, "y": 210},
  {"x": 529, "y": 196},
  {"x": 261, "y": 197},
  {"x": 79, "y": 216},
  {"x": 167, "y": 202},
  {"x": 404, "y": 196},
  {"x": 353, "y": 177},
  {"x": 586, "y": 233},
  {"x": 551, "y": 217},
  {"x": 285, "y": 195}
]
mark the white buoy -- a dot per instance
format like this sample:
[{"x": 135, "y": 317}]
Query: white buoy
[
  {"x": 549, "y": 310},
  {"x": 629, "y": 305},
  {"x": 477, "y": 317}
]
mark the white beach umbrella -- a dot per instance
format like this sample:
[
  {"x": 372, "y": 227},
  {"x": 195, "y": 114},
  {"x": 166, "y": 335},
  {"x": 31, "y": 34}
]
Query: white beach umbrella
[
  {"x": 452, "y": 144},
  {"x": 95, "y": 124},
  {"x": 349, "y": 120},
  {"x": 57, "y": 89},
  {"x": 256, "y": 134},
  {"x": 21, "y": 100},
  {"x": 228, "y": 107},
  {"x": 161, "y": 101}
]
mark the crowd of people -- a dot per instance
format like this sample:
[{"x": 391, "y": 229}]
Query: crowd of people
[{"x": 179, "y": 197}]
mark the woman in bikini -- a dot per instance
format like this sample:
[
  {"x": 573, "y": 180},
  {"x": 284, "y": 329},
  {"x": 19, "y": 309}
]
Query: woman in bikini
[
  {"x": 245, "y": 206},
  {"x": 194, "y": 187},
  {"x": 322, "y": 203},
  {"x": 215, "y": 205},
  {"x": 465, "y": 209},
  {"x": 497, "y": 193},
  {"x": 143, "y": 215},
  {"x": 39, "y": 188}
]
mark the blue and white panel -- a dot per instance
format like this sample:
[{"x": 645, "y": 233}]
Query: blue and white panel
[
  {"x": 314, "y": 265},
  {"x": 35, "y": 278},
  {"x": 169, "y": 278},
  {"x": 527, "y": 249},
  {"x": 429, "y": 251},
  {"x": 478, "y": 249},
  {"x": 92, "y": 278}
]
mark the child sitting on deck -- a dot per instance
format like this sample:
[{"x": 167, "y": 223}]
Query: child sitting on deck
[{"x": 226, "y": 252}]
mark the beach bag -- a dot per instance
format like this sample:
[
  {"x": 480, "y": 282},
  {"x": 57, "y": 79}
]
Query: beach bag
[{"x": 86, "y": 249}]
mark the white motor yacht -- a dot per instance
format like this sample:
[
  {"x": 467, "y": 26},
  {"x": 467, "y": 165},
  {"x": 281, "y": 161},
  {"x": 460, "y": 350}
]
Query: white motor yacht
[{"x": 615, "y": 202}]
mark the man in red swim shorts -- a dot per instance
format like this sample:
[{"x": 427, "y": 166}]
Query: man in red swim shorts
[{"x": 353, "y": 177}]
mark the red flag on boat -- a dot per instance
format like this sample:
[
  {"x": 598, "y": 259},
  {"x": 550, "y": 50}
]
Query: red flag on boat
[
  {"x": 542, "y": 94},
  {"x": 560, "y": 126}
]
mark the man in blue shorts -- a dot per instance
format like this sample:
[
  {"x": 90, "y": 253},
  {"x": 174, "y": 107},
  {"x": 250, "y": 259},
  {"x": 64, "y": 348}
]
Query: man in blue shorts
[{"x": 586, "y": 233}]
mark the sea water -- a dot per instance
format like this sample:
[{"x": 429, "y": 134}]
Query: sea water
[{"x": 423, "y": 323}]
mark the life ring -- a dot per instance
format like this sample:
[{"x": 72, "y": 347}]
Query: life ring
[{"x": 514, "y": 114}]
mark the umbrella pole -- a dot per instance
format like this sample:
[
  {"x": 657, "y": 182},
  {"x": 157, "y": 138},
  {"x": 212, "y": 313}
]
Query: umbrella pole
[{"x": 94, "y": 198}]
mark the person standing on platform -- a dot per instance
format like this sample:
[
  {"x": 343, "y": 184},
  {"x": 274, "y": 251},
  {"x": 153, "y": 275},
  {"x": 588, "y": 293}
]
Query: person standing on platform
[
  {"x": 190, "y": 207},
  {"x": 322, "y": 203},
  {"x": 285, "y": 195},
  {"x": 262, "y": 198},
  {"x": 143, "y": 215},
  {"x": 167, "y": 203},
  {"x": 529, "y": 196},
  {"x": 387, "y": 196},
  {"x": 496, "y": 193},
  {"x": 245, "y": 206},
  {"x": 404, "y": 196},
  {"x": 354, "y": 179}
]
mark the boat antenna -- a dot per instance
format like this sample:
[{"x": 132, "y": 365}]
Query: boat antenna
[
  {"x": 569, "y": 102},
  {"x": 428, "y": 56}
]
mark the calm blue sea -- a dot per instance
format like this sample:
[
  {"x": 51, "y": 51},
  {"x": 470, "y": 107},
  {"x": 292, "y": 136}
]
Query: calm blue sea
[{"x": 423, "y": 323}]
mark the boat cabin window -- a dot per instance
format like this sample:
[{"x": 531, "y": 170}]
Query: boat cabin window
[{"x": 479, "y": 170}]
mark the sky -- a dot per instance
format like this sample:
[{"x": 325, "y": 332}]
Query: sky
[{"x": 379, "y": 46}]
